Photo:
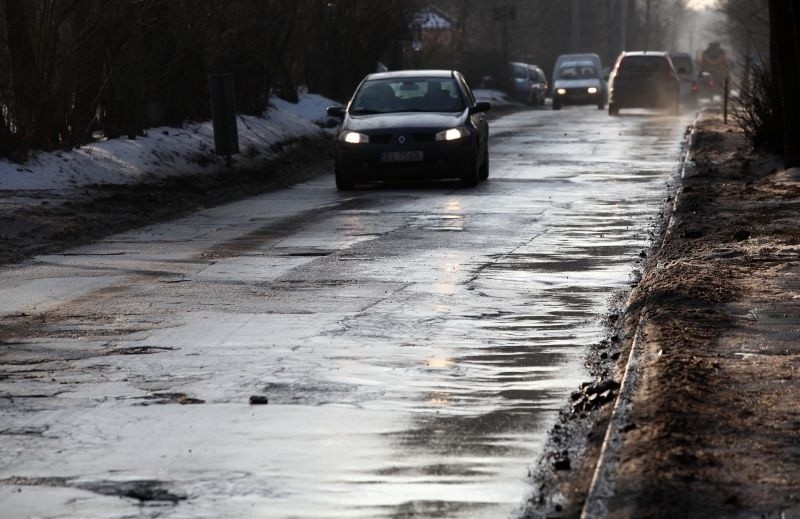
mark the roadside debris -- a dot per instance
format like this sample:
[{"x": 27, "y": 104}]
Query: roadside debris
[{"x": 594, "y": 395}]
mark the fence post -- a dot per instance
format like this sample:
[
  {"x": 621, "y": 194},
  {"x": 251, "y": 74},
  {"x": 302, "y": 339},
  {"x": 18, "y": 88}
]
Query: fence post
[
  {"x": 725, "y": 101},
  {"x": 223, "y": 109}
]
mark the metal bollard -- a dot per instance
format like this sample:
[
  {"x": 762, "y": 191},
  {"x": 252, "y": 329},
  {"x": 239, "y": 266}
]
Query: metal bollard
[{"x": 725, "y": 101}]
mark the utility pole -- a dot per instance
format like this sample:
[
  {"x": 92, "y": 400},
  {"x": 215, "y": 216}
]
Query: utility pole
[
  {"x": 623, "y": 25},
  {"x": 576, "y": 25},
  {"x": 506, "y": 16},
  {"x": 462, "y": 33},
  {"x": 647, "y": 26}
]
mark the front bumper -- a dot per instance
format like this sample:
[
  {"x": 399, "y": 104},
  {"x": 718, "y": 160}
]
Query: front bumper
[
  {"x": 440, "y": 159},
  {"x": 578, "y": 96},
  {"x": 644, "y": 96}
]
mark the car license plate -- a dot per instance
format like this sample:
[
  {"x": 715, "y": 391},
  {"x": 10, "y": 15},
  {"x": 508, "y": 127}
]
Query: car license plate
[{"x": 401, "y": 156}]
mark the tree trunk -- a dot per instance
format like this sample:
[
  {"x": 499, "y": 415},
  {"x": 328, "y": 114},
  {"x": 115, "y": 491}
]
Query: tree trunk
[
  {"x": 785, "y": 62},
  {"x": 23, "y": 69}
]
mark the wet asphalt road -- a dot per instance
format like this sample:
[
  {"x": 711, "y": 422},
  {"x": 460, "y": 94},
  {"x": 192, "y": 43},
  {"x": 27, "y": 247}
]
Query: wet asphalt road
[{"x": 413, "y": 343}]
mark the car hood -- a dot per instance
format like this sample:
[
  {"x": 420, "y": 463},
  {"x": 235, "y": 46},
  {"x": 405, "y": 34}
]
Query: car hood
[
  {"x": 420, "y": 120},
  {"x": 577, "y": 83}
]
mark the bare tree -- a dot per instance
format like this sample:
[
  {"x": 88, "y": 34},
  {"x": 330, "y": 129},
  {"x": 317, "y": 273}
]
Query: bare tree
[
  {"x": 345, "y": 39},
  {"x": 69, "y": 68}
]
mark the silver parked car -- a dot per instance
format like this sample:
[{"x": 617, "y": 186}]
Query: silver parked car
[{"x": 684, "y": 66}]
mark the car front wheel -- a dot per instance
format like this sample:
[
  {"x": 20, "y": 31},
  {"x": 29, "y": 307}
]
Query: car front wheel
[
  {"x": 344, "y": 182},
  {"x": 483, "y": 173},
  {"x": 471, "y": 176}
]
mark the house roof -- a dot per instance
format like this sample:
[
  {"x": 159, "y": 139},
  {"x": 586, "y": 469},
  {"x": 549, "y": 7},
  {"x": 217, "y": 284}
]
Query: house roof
[{"x": 431, "y": 18}]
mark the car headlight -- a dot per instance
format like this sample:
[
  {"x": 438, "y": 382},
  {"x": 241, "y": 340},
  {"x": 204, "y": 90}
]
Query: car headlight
[
  {"x": 354, "y": 137},
  {"x": 453, "y": 134},
  {"x": 561, "y": 91},
  {"x": 592, "y": 90}
]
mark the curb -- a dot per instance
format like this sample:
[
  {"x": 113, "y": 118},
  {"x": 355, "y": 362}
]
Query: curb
[{"x": 603, "y": 484}]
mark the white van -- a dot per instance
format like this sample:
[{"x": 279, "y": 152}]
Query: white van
[{"x": 578, "y": 80}]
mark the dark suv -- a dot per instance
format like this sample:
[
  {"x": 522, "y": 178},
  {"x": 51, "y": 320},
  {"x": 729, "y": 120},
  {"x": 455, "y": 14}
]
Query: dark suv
[{"x": 644, "y": 80}]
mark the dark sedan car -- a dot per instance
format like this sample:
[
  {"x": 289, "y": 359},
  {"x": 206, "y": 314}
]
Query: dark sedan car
[
  {"x": 412, "y": 124},
  {"x": 644, "y": 79},
  {"x": 705, "y": 86}
]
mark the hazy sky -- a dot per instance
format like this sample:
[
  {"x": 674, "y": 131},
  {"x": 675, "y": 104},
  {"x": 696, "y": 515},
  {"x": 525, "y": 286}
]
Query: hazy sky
[{"x": 700, "y": 4}]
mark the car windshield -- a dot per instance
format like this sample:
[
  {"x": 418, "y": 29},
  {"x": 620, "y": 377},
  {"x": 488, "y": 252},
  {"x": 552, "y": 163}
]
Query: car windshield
[
  {"x": 577, "y": 72},
  {"x": 519, "y": 71},
  {"x": 382, "y": 96}
]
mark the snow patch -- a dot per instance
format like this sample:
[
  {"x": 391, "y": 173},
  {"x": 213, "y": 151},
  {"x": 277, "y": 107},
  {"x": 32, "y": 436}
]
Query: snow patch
[{"x": 167, "y": 151}]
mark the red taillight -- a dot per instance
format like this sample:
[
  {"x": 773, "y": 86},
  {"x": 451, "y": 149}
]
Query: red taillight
[
  {"x": 694, "y": 86},
  {"x": 711, "y": 83}
]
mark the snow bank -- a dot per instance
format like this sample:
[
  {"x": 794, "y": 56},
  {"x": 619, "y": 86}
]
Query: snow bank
[
  {"x": 167, "y": 151},
  {"x": 188, "y": 150},
  {"x": 496, "y": 97}
]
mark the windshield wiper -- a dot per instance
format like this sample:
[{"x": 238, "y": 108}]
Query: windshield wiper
[{"x": 365, "y": 111}]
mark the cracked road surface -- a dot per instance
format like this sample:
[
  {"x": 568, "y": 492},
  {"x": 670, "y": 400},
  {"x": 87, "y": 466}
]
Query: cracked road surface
[{"x": 395, "y": 351}]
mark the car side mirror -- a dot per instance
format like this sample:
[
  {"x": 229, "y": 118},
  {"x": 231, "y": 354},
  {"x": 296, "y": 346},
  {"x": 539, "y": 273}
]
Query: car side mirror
[
  {"x": 336, "y": 111},
  {"x": 480, "y": 107}
]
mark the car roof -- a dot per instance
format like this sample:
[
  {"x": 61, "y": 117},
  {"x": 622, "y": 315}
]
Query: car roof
[
  {"x": 579, "y": 55},
  {"x": 655, "y": 53},
  {"x": 577, "y": 64},
  {"x": 396, "y": 74}
]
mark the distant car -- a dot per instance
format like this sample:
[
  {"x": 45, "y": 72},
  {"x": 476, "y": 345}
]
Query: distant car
[
  {"x": 644, "y": 79},
  {"x": 705, "y": 86},
  {"x": 684, "y": 66},
  {"x": 412, "y": 124},
  {"x": 578, "y": 83},
  {"x": 594, "y": 59},
  {"x": 539, "y": 85},
  {"x": 520, "y": 82}
]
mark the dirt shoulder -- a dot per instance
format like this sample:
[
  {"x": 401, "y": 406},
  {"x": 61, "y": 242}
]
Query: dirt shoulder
[
  {"x": 714, "y": 426},
  {"x": 716, "y": 416}
]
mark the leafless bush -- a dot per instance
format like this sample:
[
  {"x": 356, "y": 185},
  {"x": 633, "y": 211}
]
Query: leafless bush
[{"x": 755, "y": 111}]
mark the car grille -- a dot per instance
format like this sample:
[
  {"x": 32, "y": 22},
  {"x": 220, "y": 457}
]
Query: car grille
[
  {"x": 424, "y": 137},
  {"x": 380, "y": 139},
  {"x": 412, "y": 137}
]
